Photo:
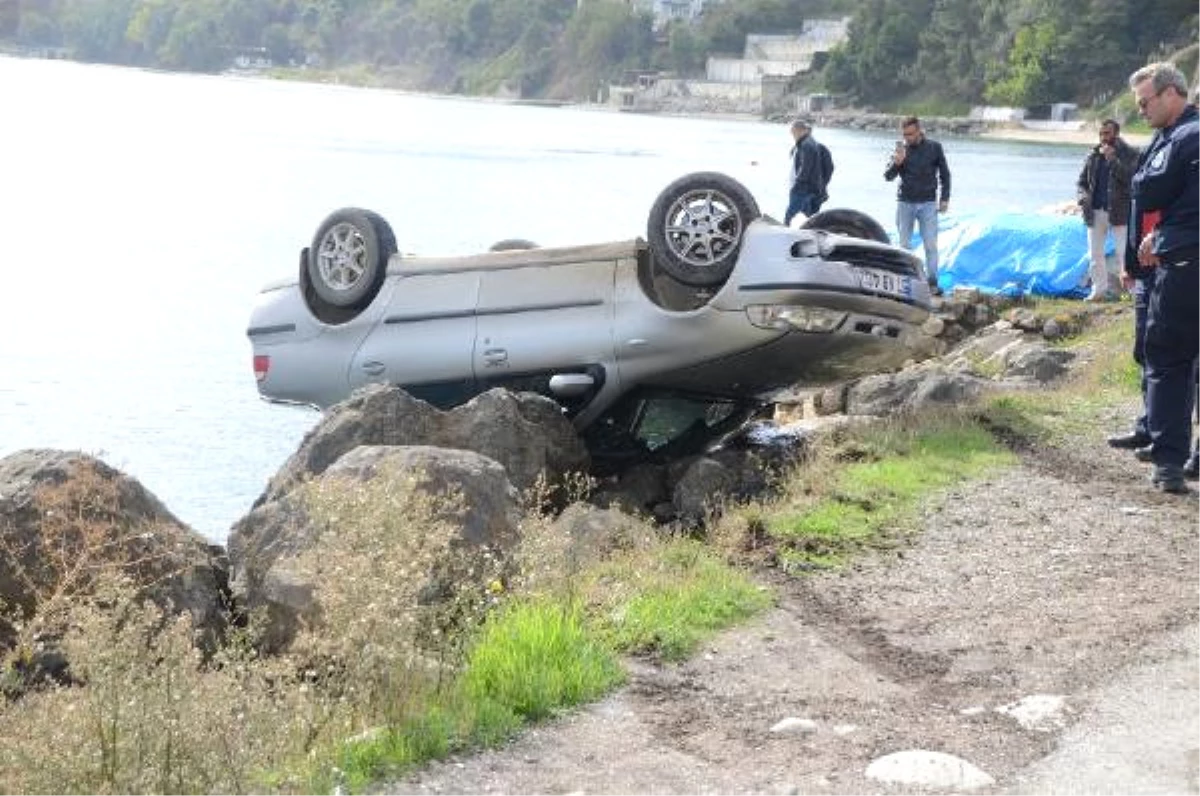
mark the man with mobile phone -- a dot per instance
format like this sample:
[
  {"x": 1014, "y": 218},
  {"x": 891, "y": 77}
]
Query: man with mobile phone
[{"x": 920, "y": 163}]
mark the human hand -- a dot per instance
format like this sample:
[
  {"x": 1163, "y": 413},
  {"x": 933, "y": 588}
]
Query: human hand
[
  {"x": 900, "y": 153},
  {"x": 1145, "y": 253},
  {"x": 1127, "y": 280},
  {"x": 943, "y": 206}
]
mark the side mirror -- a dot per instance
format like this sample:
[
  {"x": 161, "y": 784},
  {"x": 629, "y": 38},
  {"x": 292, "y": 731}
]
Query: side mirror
[{"x": 571, "y": 385}]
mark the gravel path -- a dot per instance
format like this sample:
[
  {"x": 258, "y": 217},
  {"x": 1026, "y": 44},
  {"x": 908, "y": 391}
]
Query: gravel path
[{"x": 1065, "y": 579}]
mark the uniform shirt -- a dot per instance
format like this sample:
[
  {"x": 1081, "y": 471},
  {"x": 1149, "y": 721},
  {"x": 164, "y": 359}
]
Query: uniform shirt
[{"x": 1165, "y": 189}]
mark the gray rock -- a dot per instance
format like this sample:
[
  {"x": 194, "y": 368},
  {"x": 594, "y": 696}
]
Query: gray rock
[
  {"x": 595, "y": 533},
  {"x": 1037, "y": 361},
  {"x": 109, "y": 522},
  {"x": 912, "y": 390},
  {"x": 263, "y": 544},
  {"x": 701, "y": 488},
  {"x": 526, "y": 433}
]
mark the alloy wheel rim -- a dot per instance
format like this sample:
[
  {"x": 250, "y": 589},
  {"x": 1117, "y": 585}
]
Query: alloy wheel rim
[{"x": 703, "y": 228}]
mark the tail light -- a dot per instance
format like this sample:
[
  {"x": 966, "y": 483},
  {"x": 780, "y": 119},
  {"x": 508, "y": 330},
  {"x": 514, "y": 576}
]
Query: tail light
[{"x": 262, "y": 363}]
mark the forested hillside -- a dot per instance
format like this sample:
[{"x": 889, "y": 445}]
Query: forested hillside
[{"x": 1019, "y": 52}]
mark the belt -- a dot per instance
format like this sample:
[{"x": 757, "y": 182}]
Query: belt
[{"x": 1181, "y": 257}]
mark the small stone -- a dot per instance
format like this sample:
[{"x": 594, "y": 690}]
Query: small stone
[
  {"x": 929, "y": 769},
  {"x": 1040, "y": 712},
  {"x": 795, "y": 725}
]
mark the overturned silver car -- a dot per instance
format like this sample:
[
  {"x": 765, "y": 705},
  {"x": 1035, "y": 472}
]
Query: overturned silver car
[{"x": 653, "y": 347}]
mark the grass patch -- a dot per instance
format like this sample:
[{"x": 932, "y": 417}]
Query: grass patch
[
  {"x": 857, "y": 505},
  {"x": 536, "y": 658},
  {"x": 530, "y": 661},
  {"x": 667, "y": 606},
  {"x": 1078, "y": 406}
]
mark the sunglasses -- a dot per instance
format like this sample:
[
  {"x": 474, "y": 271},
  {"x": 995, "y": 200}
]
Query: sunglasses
[{"x": 1144, "y": 101}]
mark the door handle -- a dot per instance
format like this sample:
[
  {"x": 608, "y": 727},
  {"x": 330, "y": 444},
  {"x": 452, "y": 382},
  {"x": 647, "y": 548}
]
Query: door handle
[
  {"x": 495, "y": 356},
  {"x": 373, "y": 367}
]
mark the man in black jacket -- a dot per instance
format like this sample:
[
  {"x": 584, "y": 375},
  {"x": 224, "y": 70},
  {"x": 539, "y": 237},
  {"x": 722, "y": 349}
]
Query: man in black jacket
[
  {"x": 1164, "y": 236},
  {"x": 921, "y": 165},
  {"x": 806, "y": 192},
  {"x": 1103, "y": 193}
]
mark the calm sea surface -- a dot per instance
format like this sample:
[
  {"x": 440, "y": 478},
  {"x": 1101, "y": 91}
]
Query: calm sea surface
[{"x": 142, "y": 211}]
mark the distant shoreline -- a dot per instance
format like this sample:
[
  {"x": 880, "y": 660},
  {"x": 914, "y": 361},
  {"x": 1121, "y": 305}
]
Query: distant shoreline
[{"x": 1087, "y": 136}]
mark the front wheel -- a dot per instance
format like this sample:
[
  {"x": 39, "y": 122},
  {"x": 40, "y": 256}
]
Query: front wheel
[
  {"x": 696, "y": 227},
  {"x": 349, "y": 255},
  {"x": 847, "y": 222}
]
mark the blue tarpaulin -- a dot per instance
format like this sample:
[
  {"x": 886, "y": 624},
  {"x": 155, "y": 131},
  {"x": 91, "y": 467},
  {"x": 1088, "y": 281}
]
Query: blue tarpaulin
[{"x": 1014, "y": 254}]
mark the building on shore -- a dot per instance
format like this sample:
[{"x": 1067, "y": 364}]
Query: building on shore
[{"x": 757, "y": 82}]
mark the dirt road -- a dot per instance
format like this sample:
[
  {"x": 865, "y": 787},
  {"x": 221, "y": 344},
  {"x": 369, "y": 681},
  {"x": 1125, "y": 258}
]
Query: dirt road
[{"x": 1065, "y": 582}]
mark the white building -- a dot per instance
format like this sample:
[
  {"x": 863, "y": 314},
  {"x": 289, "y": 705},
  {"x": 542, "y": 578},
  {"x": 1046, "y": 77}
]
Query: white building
[
  {"x": 773, "y": 55},
  {"x": 666, "y": 11}
]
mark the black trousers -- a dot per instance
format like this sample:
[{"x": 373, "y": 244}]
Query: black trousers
[
  {"x": 1171, "y": 346},
  {"x": 1141, "y": 311}
]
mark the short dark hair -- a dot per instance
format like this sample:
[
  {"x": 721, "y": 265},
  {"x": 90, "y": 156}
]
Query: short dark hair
[
  {"x": 911, "y": 121},
  {"x": 1113, "y": 123}
]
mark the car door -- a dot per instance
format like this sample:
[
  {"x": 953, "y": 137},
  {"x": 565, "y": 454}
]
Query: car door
[
  {"x": 425, "y": 338},
  {"x": 538, "y": 321}
]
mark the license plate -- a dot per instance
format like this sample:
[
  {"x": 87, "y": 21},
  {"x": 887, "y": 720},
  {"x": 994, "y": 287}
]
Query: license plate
[{"x": 885, "y": 282}]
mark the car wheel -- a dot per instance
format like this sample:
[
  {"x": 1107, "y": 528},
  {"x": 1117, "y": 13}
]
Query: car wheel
[
  {"x": 348, "y": 257},
  {"x": 847, "y": 222},
  {"x": 696, "y": 227},
  {"x": 512, "y": 244}
]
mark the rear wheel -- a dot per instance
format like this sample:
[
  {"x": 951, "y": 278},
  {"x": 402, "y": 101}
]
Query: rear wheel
[
  {"x": 847, "y": 222},
  {"x": 696, "y": 227},
  {"x": 348, "y": 257}
]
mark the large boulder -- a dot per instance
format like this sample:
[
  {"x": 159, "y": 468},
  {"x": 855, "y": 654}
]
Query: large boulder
[
  {"x": 526, "y": 433},
  {"x": 67, "y": 519},
  {"x": 475, "y": 497},
  {"x": 912, "y": 390}
]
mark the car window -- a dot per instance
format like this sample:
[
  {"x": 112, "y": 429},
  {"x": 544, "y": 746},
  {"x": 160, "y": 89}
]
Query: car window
[
  {"x": 665, "y": 420},
  {"x": 648, "y": 425}
]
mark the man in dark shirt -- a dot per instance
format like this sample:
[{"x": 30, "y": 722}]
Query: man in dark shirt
[
  {"x": 921, "y": 165},
  {"x": 1164, "y": 237},
  {"x": 806, "y": 191},
  {"x": 1103, "y": 193}
]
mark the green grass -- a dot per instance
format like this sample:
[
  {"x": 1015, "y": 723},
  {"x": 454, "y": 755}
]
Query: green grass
[
  {"x": 685, "y": 598},
  {"x": 537, "y": 657},
  {"x": 862, "y": 503}
]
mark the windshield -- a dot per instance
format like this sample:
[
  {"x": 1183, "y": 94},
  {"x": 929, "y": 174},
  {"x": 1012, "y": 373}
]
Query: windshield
[{"x": 646, "y": 425}]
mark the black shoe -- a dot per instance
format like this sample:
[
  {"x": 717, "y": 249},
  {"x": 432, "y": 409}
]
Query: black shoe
[
  {"x": 1144, "y": 454},
  {"x": 1191, "y": 470},
  {"x": 1169, "y": 479},
  {"x": 1129, "y": 441}
]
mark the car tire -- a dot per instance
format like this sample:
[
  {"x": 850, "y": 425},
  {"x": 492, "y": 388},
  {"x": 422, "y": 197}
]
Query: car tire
[
  {"x": 348, "y": 257},
  {"x": 696, "y": 227},
  {"x": 512, "y": 244},
  {"x": 847, "y": 222}
]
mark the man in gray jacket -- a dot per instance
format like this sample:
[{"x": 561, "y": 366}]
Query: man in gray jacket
[{"x": 1103, "y": 194}]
